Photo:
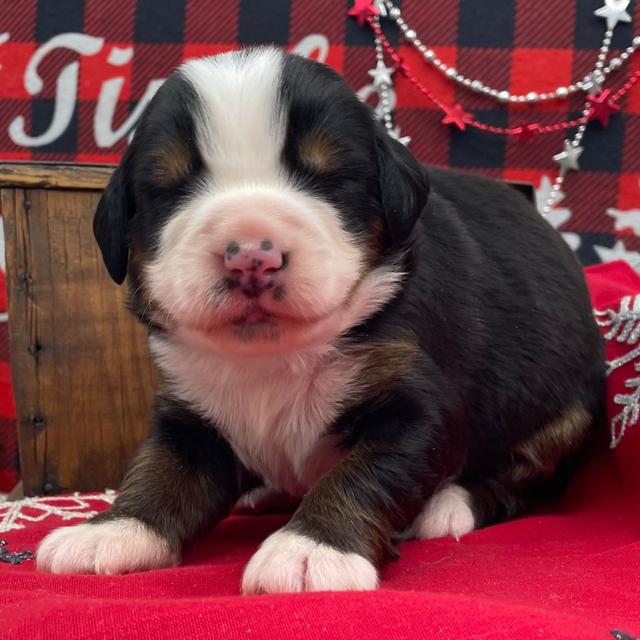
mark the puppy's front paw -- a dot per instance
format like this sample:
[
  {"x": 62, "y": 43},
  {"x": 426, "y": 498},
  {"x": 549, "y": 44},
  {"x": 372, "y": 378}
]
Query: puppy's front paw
[
  {"x": 447, "y": 513},
  {"x": 288, "y": 563},
  {"x": 111, "y": 547}
]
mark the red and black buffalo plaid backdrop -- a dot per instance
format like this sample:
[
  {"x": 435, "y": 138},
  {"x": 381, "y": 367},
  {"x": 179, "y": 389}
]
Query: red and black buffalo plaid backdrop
[{"x": 75, "y": 73}]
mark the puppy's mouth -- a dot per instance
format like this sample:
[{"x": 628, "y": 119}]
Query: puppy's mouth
[
  {"x": 256, "y": 321},
  {"x": 249, "y": 328},
  {"x": 258, "y": 324},
  {"x": 255, "y": 316}
]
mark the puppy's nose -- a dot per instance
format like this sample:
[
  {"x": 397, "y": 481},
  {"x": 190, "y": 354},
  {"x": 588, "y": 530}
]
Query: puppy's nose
[{"x": 253, "y": 266}]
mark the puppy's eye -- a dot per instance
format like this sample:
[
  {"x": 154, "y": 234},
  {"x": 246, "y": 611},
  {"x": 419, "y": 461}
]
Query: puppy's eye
[{"x": 319, "y": 153}]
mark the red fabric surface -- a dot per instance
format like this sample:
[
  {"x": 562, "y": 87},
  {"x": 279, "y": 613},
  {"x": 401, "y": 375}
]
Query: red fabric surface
[
  {"x": 8, "y": 445},
  {"x": 569, "y": 571},
  {"x": 516, "y": 45}
]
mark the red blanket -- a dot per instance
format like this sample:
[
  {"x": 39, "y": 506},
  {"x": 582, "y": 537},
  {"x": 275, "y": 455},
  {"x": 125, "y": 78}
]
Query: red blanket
[{"x": 569, "y": 571}]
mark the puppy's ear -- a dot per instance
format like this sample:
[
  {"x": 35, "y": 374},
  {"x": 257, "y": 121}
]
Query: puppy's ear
[
  {"x": 404, "y": 186},
  {"x": 111, "y": 225}
]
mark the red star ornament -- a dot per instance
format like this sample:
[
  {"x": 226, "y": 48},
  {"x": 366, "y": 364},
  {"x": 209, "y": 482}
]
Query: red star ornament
[
  {"x": 455, "y": 115},
  {"x": 362, "y": 10},
  {"x": 526, "y": 131},
  {"x": 602, "y": 108}
]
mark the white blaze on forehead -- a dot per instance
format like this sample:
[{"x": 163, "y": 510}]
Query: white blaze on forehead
[{"x": 241, "y": 125}]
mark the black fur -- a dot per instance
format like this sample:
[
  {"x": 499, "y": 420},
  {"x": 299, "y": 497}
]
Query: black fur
[
  {"x": 135, "y": 203},
  {"x": 393, "y": 187},
  {"x": 111, "y": 225},
  {"x": 184, "y": 476},
  {"x": 494, "y": 304},
  {"x": 501, "y": 312}
]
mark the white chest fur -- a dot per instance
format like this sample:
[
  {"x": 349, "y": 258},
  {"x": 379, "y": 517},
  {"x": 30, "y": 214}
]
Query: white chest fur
[{"x": 275, "y": 412}]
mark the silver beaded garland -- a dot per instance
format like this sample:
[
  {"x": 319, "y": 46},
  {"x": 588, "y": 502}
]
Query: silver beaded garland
[
  {"x": 386, "y": 103},
  {"x": 573, "y": 146},
  {"x": 591, "y": 83},
  {"x": 587, "y": 84}
]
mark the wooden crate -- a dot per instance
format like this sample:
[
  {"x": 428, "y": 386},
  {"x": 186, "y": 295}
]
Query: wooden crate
[{"x": 82, "y": 378}]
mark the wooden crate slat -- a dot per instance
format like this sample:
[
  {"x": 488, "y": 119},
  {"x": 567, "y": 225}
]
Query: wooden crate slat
[
  {"x": 83, "y": 381},
  {"x": 54, "y": 176}
]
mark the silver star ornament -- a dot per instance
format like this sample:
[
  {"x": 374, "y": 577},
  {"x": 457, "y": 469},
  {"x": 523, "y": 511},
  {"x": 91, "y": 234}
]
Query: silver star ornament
[
  {"x": 381, "y": 75},
  {"x": 381, "y": 7},
  {"x": 568, "y": 159},
  {"x": 395, "y": 134},
  {"x": 614, "y": 11}
]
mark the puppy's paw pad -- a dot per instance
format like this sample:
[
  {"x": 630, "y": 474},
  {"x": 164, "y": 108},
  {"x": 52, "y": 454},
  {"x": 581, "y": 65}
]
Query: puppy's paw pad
[
  {"x": 447, "y": 513},
  {"x": 289, "y": 563},
  {"x": 112, "y": 547}
]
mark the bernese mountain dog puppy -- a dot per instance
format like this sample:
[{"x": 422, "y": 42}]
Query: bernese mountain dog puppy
[{"x": 409, "y": 351}]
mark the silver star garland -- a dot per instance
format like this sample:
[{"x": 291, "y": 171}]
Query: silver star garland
[
  {"x": 613, "y": 11},
  {"x": 395, "y": 133},
  {"x": 568, "y": 159},
  {"x": 383, "y": 84},
  {"x": 587, "y": 84},
  {"x": 381, "y": 7},
  {"x": 381, "y": 75}
]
